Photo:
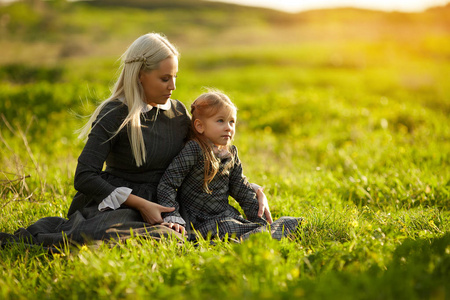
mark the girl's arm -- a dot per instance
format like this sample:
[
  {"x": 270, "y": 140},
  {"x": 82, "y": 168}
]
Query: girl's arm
[
  {"x": 263, "y": 203},
  {"x": 173, "y": 178},
  {"x": 242, "y": 191}
]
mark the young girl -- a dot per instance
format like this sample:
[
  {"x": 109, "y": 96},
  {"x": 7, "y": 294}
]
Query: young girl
[{"x": 207, "y": 171}]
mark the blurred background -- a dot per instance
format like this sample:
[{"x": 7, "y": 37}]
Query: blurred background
[
  {"x": 343, "y": 117},
  {"x": 337, "y": 104}
]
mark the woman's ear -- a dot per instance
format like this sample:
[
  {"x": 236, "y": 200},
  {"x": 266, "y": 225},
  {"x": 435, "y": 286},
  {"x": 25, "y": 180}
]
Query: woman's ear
[{"x": 198, "y": 125}]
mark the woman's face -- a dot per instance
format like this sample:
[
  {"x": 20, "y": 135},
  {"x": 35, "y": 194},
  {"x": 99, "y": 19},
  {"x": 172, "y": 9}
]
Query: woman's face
[{"x": 158, "y": 84}]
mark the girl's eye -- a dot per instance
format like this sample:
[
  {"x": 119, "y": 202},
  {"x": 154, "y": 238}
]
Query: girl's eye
[{"x": 220, "y": 121}]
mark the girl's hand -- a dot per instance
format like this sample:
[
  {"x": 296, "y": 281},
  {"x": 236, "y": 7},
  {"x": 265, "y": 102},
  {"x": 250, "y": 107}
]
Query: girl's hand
[
  {"x": 177, "y": 227},
  {"x": 263, "y": 205},
  {"x": 150, "y": 211}
]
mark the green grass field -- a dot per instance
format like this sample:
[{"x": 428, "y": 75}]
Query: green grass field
[{"x": 343, "y": 117}]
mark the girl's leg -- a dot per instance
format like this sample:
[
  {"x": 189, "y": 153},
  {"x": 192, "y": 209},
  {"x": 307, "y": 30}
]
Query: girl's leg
[
  {"x": 222, "y": 226},
  {"x": 283, "y": 227}
]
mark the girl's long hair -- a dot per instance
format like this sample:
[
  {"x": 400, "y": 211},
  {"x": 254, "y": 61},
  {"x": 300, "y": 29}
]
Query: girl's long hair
[
  {"x": 204, "y": 107},
  {"x": 144, "y": 54}
]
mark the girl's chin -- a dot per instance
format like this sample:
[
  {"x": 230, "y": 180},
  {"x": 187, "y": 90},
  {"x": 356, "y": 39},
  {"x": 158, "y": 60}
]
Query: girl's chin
[{"x": 221, "y": 145}]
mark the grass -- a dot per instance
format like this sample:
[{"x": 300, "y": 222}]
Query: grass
[{"x": 343, "y": 117}]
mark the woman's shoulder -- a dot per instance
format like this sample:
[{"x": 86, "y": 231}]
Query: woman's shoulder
[
  {"x": 114, "y": 111},
  {"x": 179, "y": 107},
  {"x": 177, "y": 103},
  {"x": 115, "y": 106}
]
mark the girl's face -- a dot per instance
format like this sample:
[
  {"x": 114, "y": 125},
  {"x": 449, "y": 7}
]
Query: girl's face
[
  {"x": 219, "y": 128},
  {"x": 158, "y": 84}
]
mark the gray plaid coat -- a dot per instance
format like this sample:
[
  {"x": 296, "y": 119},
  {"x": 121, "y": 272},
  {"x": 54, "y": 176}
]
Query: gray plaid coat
[{"x": 182, "y": 183}]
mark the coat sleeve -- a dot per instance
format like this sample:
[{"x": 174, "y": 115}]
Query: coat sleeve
[
  {"x": 100, "y": 141},
  {"x": 241, "y": 190},
  {"x": 173, "y": 178}
]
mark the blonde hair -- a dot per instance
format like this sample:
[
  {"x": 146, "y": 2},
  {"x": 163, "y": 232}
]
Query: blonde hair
[
  {"x": 144, "y": 54},
  {"x": 204, "y": 107}
]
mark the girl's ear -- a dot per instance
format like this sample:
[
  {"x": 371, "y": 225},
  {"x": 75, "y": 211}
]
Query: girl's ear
[{"x": 198, "y": 125}]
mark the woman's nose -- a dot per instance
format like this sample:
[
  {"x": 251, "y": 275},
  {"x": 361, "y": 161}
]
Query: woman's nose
[{"x": 172, "y": 85}]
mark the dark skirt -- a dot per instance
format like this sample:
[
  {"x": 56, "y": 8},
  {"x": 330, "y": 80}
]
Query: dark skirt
[
  {"x": 86, "y": 224},
  {"x": 110, "y": 225}
]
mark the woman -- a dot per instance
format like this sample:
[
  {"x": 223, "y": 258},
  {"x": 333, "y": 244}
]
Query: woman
[{"x": 137, "y": 131}]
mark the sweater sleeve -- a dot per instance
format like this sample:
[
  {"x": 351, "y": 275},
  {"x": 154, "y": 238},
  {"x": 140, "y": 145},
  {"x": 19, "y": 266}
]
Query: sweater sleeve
[
  {"x": 173, "y": 178},
  {"x": 115, "y": 199},
  {"x": 98, "y": 146},
  {"x": 242, "y": 191}
]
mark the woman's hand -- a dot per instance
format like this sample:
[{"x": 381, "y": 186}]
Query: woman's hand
[
  {"x": 177, "y": 227},
  {"x": 263, "y": 205},
  {"x": 150, "y": 211}
]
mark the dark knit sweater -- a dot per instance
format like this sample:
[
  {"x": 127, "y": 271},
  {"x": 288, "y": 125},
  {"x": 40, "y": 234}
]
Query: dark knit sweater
[{"x": 164, "y": 132}]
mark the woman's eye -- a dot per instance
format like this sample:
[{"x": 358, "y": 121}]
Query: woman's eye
[{"x": 166, "y": 79}]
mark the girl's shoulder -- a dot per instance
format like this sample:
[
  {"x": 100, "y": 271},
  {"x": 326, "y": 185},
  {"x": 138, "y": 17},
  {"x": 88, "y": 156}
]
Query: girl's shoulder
[
  {"x": 191, "y": 152},
  {"x": 193, "y": 146},
  {"x": 233, "y": 150}
]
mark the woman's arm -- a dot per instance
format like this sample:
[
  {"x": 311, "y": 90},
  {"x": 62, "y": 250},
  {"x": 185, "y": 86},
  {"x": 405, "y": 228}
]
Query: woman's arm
[
  {"x": 150, "y": 211},
  {"x": 115, "y": 199},
  {"x": 100, "y": 141}
]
